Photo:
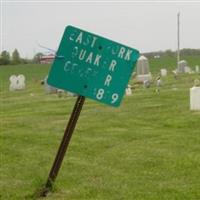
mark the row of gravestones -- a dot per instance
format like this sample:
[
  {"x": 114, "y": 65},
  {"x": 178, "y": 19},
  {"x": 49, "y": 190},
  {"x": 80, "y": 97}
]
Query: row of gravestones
[
  {"x": 143, "y": 74},
  {"x": 184, "y": 68},
  {"x": 17, "y": 82},
  {"x": 143, "y": 71}
]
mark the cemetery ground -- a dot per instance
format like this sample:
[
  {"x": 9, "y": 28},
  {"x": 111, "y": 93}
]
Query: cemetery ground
[{"x": 147, "y": 149}]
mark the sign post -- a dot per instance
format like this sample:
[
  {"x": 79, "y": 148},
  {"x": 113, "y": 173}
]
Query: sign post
[
  {"x": 90, "y": 66},
  {"x": 63, "y": 145}
]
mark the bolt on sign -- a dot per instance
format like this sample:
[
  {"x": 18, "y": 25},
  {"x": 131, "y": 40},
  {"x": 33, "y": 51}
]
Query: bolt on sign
[{"x": 92, "y": 66}]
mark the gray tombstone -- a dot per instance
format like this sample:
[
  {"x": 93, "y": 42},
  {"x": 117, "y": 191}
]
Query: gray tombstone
[
  {"x": 143, "y": 72},
  {"x": 142, "y": 65},
  {"x": 182, "y": 66},
  {"x": 163, "y": 72}
]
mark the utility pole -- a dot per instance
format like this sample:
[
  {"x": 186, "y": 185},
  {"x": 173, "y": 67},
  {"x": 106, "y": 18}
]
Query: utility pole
[{"x": 178, "y": 38}]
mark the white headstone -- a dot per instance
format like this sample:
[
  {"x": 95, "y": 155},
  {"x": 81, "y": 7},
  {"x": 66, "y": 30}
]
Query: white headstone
[
  {"x": 163, "y": 72},
  {"x": 21, "y": 82},
  {"x": 197, "y": 70},
  {"x": 143, "y": 72},
  {"x": 17, "y": 82},
  {"x": 187, "y": 69},
  {"x": 13, "y": 83},
  {"x": 195, "y": 98}
]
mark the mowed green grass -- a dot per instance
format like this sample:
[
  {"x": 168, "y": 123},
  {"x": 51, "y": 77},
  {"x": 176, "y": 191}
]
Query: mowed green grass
[{"x": 147, "y": 149}]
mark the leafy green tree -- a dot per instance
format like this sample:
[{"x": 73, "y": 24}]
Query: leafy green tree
[
  {"x": 16, "y": 57},
  {"x": 4, "y": 58},
  {"x": 36, "y": 58},
  {"x": 25, "y": 61}
]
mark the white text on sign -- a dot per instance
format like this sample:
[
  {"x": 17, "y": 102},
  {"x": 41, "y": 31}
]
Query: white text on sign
[{"x": 90, "y": 58}]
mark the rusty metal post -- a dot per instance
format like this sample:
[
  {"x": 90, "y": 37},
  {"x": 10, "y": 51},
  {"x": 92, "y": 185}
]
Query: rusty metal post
[{"x": 63, "y": 146}]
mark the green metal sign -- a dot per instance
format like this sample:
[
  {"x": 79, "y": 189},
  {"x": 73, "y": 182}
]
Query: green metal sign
[{"x": 92, "y": 66}]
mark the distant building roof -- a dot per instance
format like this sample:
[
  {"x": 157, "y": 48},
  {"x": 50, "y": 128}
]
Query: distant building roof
[{"x": 46, "y": 59}]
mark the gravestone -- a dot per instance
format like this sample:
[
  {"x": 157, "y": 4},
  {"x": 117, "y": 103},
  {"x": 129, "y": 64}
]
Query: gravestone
[
  {"x": 143, "y": 72},
  {"x": 182, "y": 66},
  {"x": 17, "y": 82},
  {"x": 195, "y": 98},
  {"x": 197, "y": 70},
  {"x": 21, "y": 82},
  {"x": 13, "y": 83},
  {"x": 188, "y": 69},
  {"x": 163, "y": 72}
]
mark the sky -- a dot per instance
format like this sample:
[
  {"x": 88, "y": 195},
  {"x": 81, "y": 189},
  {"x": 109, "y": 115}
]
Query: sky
[{"x": 144, "y": 25}]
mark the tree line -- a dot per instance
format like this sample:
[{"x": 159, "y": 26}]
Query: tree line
[
  {"x": 170, "y": 53},
  {"x": 14, "y": 58}
]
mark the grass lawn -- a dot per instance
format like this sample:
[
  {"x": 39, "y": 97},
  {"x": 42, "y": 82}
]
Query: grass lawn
[{"x": 147, "y": 149}]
